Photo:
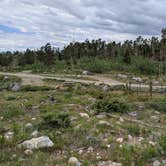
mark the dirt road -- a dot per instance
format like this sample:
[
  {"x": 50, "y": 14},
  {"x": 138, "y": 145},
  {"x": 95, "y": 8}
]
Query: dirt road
[{"x": 38, "y": 79}]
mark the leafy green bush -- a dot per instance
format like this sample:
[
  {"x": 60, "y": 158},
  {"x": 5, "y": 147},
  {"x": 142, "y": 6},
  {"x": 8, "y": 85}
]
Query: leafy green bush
[
  {"x": 144, "y": 65},
  {"x": 109, "y": 106},
  {"x": 56, "y": 120},
  {"x": 158, "y": 104},
  {"x": 27, "y": 88},
  {"x": 95, "y": 65}
]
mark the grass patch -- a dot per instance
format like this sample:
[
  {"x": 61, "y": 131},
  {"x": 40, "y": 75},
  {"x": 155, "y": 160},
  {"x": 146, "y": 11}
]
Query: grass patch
[{"x": 11, "y": 110}]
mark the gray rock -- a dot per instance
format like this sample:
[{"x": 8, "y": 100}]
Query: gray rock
[
  {"x": 5, "y": 78},
  {"x": 15, "y": 87},
  {"x": 8, "y": 135},
  {"x": 36, "y": 143},
  {"x": 103, "y": 123},
  {"x": 134, "y": 114},
  {"x": 106, "y": 88},
  {"x": 122, "y": 76},
  {"x": 28, "y": 152},
  {"x": 119, "y": 140},
  {"x": 29, "y": 126},
  {"x": 156, "y": 163},
  {"x": 73, "y": 161},
  {"x": 86, "y": 72},
  {"x": 35, "y": 133},
  {"x": 121, "y": 119},
  {"x": 90, "y": 149},
  {"x": 101, "y": 116},
  {"x": 109, "y": 163},
  {"x": 84, "y": 115},
  {"x": 137, "y": 79}
]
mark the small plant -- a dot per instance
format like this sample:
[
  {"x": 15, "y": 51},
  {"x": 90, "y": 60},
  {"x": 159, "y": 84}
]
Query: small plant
[
  {"x": 56, "y": 120},
  {"x": 109, "y": 106},
  {"x": 133, "y": 129},
  {"x": 149, "y": 153},
  {"x": 127, "y": 151}
]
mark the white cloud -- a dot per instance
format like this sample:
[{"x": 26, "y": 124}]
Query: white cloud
[{"x": 60, "y": 22}]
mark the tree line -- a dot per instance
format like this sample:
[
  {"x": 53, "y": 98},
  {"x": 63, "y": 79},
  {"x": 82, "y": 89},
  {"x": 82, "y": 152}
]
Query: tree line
[{"x": 154, "y": 49}]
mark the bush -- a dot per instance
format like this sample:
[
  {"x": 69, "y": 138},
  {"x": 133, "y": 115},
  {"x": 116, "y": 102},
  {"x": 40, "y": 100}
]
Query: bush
[
  {"x": 109, "y": 106},
  {"x": 158, "y": 104},
  {"x": 35, "y": 88},
  {"x": 95, "y": 65},
  {"x": 133, "y": 129},
  {"x": 56, "y": 120},
  {"x": 144, "y": 65}
]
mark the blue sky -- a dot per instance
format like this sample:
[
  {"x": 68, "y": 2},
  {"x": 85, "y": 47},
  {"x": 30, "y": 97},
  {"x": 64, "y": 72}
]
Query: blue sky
[
  {"x": 8, "y": 29},
  {"x": 31, "y": 24}
]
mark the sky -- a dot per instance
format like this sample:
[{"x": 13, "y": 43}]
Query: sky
[{"x": 31, "y": 24}]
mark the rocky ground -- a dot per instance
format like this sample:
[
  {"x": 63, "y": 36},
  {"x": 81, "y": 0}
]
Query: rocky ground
[{"x": 79, "y": 124}]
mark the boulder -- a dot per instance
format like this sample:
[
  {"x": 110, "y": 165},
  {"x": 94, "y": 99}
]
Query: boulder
[
  {"x": 86, "y": 72},
  {"x": 37, "y": 143},
  {"x": 156, "y": 163},
  {"x": 15, "y": 87}
]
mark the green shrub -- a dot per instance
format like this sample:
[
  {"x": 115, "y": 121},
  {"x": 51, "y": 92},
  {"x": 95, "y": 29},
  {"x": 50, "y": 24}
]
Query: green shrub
[
  {"x": 158, "y": 104},
  {"x": 95, "y": 65},
  {"x": 109, "y": 106},
  {"x": 56, "y": 120},
  {"x": 27, "y": 88},
  {"x": 133, "y": 129}
]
